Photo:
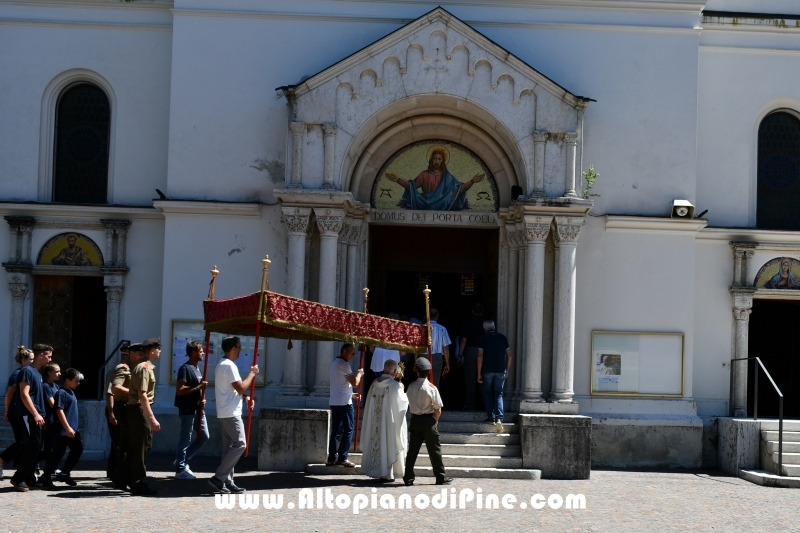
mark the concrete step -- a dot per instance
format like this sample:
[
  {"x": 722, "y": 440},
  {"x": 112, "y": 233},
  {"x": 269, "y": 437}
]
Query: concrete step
[
  {"x": 791, "y": 470},
  {"x": 768, "y": 479},
  {"x": 772, "y": 425},
  {"x": 426, "y": 471},
  {"x": 468, "y": 461},
  {"x": 790, "y": 447},
  {"x": 498, "y": 450},
  {"x": 788, "y": 458},
  {"x": 479, "y": 438},
  {"x": 788, "y": 436}
]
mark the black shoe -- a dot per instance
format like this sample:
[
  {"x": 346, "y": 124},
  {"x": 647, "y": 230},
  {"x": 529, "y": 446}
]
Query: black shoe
[
  {"x": 66, "y": 478},
  {"x": 143, "y": 489},
  {"x": 218, "y": 485},
  {"x": 444, "y": 481},
  {"x": 408, "y": 482},
  {"x": 21, "y": 486},
  {"x": 234, "y": 488}
]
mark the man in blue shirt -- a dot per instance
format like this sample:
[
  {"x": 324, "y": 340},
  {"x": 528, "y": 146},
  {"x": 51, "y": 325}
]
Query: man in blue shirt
[
  {"x": 188, "y": 394},
  {"x": 494, "y": 360},
  {"x": 28, "y": 409}
]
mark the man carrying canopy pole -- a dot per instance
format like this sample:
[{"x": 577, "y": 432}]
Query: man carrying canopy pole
[
  {"x": 361, "y": 350},
  {"x": 211, "y": 288}
]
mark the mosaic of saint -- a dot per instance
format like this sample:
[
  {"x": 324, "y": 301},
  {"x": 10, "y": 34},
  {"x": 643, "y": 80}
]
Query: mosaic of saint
[
  {"x": 779, "y": 273},
  {"x": 70, "y": 249},
  {"x": 435, "y": 176}
]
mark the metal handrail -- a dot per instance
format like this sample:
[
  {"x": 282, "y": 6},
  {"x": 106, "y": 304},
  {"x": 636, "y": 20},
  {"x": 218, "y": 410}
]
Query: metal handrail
[
  {"x": 101, "y": 374},
  {"x": 755, "y": 403}
]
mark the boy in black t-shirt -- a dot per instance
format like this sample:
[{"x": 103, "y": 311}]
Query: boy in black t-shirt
[{"x": 68, "y": 436}]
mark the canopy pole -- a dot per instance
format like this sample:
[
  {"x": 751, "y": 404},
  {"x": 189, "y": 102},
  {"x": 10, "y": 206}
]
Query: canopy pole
[
  {"x": 211, "y": 288},
  {"x": 261, "y": 311},
  {"x": 361, "y": 350},
  {"x": 427, "y": 293}
]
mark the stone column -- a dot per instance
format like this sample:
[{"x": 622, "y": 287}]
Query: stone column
[
  {"x": 341, "y": 259},
  {"x": 329, "y": 223},
  {"x": 742, "y": 307},
  {"x": 354, "y": 294},
  {"x": 18, "y": 283},
  {"x": 568, "y": 229},
  {"x": 571, "y": 139},
  {"x": 520, "y": 306},
  {"x": 511, "y": 290},
  {"x": 329, "y": 143},
  {"x": 298, "y": 138},
  {"x": 114, "y": 292},
  {"x": 539, "y": 144},
  {"x": 296, "y": 220},
  {"x": 536, "y": 230}
]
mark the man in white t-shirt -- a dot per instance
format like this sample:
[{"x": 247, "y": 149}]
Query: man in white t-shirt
[
  {"x": 229, "y": 388},
  {"x": 342, "y": 382}
]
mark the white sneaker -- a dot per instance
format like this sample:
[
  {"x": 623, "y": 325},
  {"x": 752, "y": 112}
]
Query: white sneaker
[
  {"x": 498, "y": 426},
  {"x": 185, "y": 474}
]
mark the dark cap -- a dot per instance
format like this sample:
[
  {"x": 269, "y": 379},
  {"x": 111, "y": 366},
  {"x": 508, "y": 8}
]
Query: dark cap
[
  {"x": 136, "y": 347},
  {"x": 125, "y": 347},
  {"x": 152, "y": 341},
  {"x": 422, "y": 364}
]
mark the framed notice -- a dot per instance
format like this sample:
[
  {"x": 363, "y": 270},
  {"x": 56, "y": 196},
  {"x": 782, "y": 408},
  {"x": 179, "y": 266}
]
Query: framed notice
[
  {"x": 185, "y": 331},
  {"x": 637, "y": 364}
]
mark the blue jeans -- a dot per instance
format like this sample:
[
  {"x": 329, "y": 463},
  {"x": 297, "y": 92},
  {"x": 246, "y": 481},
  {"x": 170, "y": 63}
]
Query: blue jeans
[
  {"x": 188, "y": 446},
  {"x": 492, "y": 388},
  {"x": 342, "y": 423}
]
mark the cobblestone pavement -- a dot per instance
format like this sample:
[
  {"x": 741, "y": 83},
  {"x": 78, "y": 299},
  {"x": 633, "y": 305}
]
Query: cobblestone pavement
[{"x": 615, "y": 501}]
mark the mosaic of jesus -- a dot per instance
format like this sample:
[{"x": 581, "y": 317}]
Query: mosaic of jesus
[{"x": 435, "y": 176}]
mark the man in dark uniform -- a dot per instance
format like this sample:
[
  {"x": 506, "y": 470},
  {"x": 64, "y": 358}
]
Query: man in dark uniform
[
  {"x": 425, "y": 405},
  {"x": 141, "y": 420},
  {"x": 118, "y": 387},
  {"x": 111, "y": 419}
]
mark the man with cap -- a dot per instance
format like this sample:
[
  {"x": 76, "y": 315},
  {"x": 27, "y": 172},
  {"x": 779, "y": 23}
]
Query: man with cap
[
  {"x": 118, "y": 386},
  {"x": 111, "y": 419},
  {"x": 425, "y": 405},
  {"x": 141, "y": 420}
]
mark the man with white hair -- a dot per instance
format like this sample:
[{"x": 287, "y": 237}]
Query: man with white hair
[{"x": 384, "y": 439}]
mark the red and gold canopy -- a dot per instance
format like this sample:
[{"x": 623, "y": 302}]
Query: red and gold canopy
[{"x": 285, "y": 317}]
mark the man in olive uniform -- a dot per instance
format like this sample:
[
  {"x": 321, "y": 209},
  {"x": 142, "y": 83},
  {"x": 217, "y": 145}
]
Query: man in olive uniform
[
  {"x": 141, "y": 420},
  {"x": 117, "y": 395},
  {"x": 111, "y": 419}
]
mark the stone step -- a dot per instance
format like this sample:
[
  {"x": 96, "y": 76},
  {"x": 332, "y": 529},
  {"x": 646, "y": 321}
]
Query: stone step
[
  {"x": 790, "y": 447},
  {"x": 768, "y": 479},
  {"x": 479, "y": 438},
  {"x": 472, "y": 427},
  {"x": 772, "y": 425},
  {"x": 466, "y": 461},
  {"x": 788, "y": 436},
  {"x": 788, "y": 458},
  {"x": 791, "y": 470},
  {"x": 497, "y": 450},
  {"x": 426, "y": 471}
]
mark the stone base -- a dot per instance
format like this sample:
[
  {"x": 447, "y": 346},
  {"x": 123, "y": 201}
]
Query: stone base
[
  {"x": 739, "y": 442},
  {"x": 289, "y": 439},
  {"x": 558, "y": 445},
  {"x": 544, "y": 408},
  {"x": 647, "y": 441}
]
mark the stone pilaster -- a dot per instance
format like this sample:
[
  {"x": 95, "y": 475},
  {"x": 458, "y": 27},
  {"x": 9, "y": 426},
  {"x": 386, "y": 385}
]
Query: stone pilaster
[
  {"x": 329, "y": 223},
  {"x": 329, "y": 143},
  {"x": 21, "y": 228},
  {"x": 354, "y": 295},
  {"x": 116, "y": 241},
  {"x": 571, "y": 140},
  {"x": 298, "y": 138},
  {"x": 539, "y": 145},
  {"x": 742, "y": 256},
  {"x": 296, "y": 220},
  {"x": 568, "y": 229},
  {"x": 19, "y": 283},
  {"x": 511, "y": 290}
]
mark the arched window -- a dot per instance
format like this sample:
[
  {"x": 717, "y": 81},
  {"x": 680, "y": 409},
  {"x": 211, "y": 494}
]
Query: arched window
[
  {"x": 83, "y": 119},
  {"x": 778, "y": 205}
]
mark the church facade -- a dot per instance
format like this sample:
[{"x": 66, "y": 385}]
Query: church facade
[{"x": 616, "y": 183}]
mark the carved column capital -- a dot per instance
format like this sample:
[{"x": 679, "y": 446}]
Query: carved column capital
[
  {"x": 329, "y": 130},
  {"x": 296, "y": 219},
  {"x": 741, "y": 314},
  {"x": 18, "y": 284},
  {"x": 537, "y": 228},
  {"x": 329, "y": 221},
  {"x": 298, "y": 128},
  {"x": 355, "y": 230},
  {"x": 114, "y": 294},
  {"x": 572, "y": 137},
  {"x": 540, "y": 136},
  {"x": 568, "y": 228},
  {"x": 20, "y": 223}
]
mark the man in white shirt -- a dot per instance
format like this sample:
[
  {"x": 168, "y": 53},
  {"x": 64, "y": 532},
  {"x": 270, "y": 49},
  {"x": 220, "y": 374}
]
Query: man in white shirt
[
  {"x": 342, "y": 382},
  {"x": 229, "y": 388},
  {"x": 440, "y": 349}
]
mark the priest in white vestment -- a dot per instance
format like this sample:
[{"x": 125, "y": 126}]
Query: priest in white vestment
[{"x": 384, "y": 435}]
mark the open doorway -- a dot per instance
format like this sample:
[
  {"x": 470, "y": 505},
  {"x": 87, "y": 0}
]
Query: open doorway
[
  {"x": 69, "y": 313},
  {"x": 458, "y": 265},
  {"x": 775, "y": 338}
]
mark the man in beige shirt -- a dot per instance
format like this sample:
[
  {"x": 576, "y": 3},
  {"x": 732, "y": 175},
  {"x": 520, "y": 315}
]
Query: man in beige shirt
[
  {"x": 425, "y": 405},
  {"x": 141, "y": 420}
]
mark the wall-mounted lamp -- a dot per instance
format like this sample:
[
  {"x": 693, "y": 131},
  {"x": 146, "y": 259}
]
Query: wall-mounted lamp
[{"x": 682, "y": 209}]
